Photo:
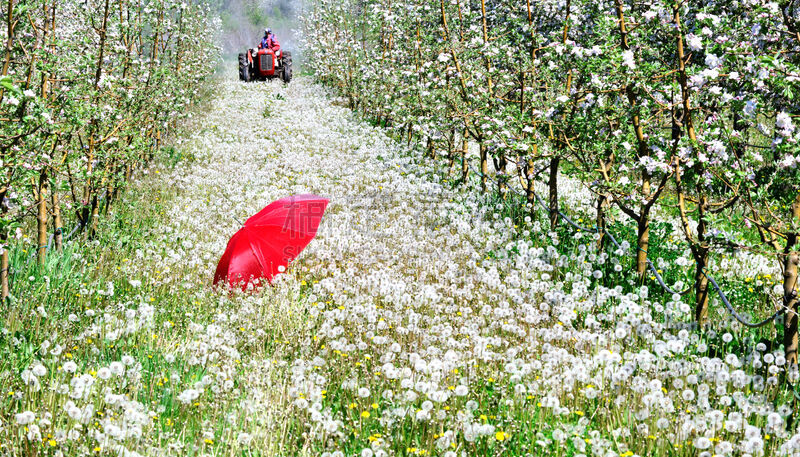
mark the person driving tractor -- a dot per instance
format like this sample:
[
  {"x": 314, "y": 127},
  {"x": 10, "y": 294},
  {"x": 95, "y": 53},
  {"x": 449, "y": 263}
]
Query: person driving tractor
[{"x": 269, "y": 41}]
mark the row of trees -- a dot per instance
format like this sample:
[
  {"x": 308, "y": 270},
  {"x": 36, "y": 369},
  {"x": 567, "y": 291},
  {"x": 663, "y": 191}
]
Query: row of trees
[
  {"x": 88, "y": 90},
  {"x": 690, "y": 104}
]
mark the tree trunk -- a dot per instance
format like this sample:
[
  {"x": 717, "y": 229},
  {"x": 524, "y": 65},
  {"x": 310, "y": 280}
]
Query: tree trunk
[
  {"x": 530, "y": 184},
  {"x": 451, "y": 163},
  {"x": 94, "y": 216},
  {"x": 643, "y": 230},
  {"x": 701, "y": 285},
  {"x": 484, "y": 166},
  {"x": 58, "y": 231},
  {"x": 431, "y": 149},
  {"x": 553, "y": 187},
  {"x": 109, "y": 179},
  {"x": 642, "y": 243},
  {"x": 791, "y": 302},
  {"x": 178, "y": 54},
  {"x": 602, "y": 202},
  {"x": 790, "y": 299},
  {"x": 451, "y": 151},
  {"x": 500, "y": 165},
  {"x": 41, "y": 219},
  {"x": 10, "y": 24},
  {"x": 90, "y": 155},
  {"x": 464, "y": 162},
  {"x": 700, "y": 252}
]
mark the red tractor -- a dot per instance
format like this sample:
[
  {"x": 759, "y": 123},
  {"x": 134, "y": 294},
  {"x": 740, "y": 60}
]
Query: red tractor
[{"x": 263, "y": 64}]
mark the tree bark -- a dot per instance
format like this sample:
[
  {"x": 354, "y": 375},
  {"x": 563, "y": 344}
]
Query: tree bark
[
  {"x": 58, "y": 231},
  {"x": 701, "y": 252},
  {"x": 484, "y": 166},
  {"x": 643, "y": 230},
  {"x": 553, "y": 188},
  {"x": 451, "y": 151},
  {"x": 178, "y": 53},
  {"x": 464, "y": 151},
  {"x": 95, "y": 208},
  {"x": 791, "y": 302},
  {"x": 41, "y": 218},
  {"x": 790, "y": 278},
  {"x": 500, "y": 164},
  {"x": 10, "y": 25},
  {"x": 530, "y": 183},
  {"x": 642, "y": 243},
  {"x": 701, "y": 286},
  {"x": 602, "y": 202}
]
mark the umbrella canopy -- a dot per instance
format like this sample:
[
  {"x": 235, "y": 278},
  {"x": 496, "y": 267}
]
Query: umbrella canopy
[{"x": 270, "y": 240}]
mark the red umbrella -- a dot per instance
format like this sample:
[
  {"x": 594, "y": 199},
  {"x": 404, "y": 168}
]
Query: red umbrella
[{"x": 270, "y": 240}]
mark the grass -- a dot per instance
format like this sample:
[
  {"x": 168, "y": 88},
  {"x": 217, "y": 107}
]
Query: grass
[
  {"x": 63, "y": 312},
  {"x": 750, "y": 295},
  {"x": 92, "y": 326},
  {"x": 666, "y": 244}
]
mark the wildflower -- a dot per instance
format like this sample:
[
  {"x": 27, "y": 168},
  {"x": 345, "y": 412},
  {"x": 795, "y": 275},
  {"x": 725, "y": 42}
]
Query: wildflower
[
  {"x": 243, "y": 438},
  {"x": 104, "y": 373},
  {"x": 25, "y": 417},
  {"x": 188, "y": 396},
  {"x": 39, "y": 370},
  {"x": 116, "y": 368},
  {"x": 702, "y": 443}
]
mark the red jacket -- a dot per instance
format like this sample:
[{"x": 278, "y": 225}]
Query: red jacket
[{"x": 269, "y": 42}]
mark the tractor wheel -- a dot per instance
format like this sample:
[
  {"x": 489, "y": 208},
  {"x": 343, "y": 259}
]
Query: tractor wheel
[
  {"x": 287, "y": 67},
  {"x": 287, "y": 72},
  {"x": 246, "y": 73},
  {"x": 244, "y": 68},
  {"x": 242, "y": 63}
]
